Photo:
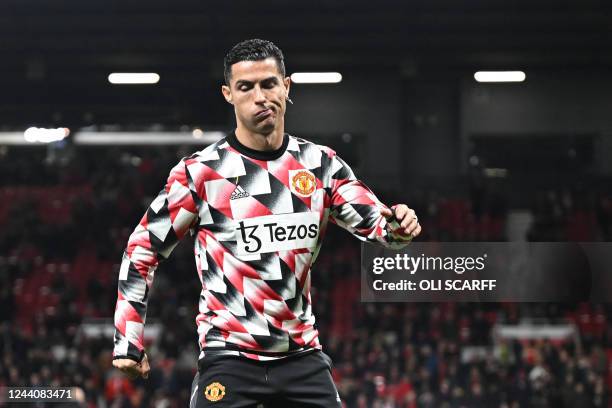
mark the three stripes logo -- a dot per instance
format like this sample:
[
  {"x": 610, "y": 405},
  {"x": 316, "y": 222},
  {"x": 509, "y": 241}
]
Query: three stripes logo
[{"x": 239, "y": 192}]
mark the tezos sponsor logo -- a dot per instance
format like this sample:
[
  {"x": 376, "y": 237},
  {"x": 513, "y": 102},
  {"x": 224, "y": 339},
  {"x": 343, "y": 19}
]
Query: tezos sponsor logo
[{"x": 273, "y": 233}]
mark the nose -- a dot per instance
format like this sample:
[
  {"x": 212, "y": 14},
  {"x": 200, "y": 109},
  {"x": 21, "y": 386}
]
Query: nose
[{"x": 260, "y": 97}]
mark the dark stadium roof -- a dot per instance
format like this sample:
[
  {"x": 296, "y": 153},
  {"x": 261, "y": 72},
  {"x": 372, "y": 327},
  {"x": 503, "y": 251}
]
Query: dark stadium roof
[{"x": 56, "y": 55}]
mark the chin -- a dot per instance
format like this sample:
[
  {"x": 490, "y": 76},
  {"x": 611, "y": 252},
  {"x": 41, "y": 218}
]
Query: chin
[{"x": 266, "y": 128}]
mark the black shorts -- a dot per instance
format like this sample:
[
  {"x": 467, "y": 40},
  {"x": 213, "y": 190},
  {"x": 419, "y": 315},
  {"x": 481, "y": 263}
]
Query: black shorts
[{"x": 297, "y": 381}]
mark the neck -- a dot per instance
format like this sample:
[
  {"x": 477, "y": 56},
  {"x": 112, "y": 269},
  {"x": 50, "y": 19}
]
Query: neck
[{"x": 260, "y": 141}]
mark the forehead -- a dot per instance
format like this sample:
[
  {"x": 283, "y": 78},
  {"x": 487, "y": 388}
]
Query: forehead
[{"x": 254, "y": 71}]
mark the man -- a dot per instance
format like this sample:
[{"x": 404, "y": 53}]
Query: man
[{"x": 258, "y": 201}]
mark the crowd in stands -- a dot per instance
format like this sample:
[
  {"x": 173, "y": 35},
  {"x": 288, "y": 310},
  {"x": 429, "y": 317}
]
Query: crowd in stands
[
  {"x": 577, "y": 214},
  {"x": 66, "y": 217}
]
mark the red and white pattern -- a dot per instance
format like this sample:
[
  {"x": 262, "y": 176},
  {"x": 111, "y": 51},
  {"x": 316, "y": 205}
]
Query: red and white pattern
[{"x": 255, "y": 243}]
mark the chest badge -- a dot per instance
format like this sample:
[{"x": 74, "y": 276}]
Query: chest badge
[{"x": 303, "y": 182}]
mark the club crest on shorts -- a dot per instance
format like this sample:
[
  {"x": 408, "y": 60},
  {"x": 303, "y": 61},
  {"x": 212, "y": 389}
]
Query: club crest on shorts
[
  {"x": 302, "y": 182},
  {"x": 214, "y": 392}
]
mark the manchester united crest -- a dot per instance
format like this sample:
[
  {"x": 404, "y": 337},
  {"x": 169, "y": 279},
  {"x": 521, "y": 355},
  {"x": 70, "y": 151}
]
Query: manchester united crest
[
  {"x": 303, "y": 182},
  {"x": 214, "y": 392}
]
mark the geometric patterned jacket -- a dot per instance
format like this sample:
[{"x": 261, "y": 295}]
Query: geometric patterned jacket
[{"x": 259, "y": 219}]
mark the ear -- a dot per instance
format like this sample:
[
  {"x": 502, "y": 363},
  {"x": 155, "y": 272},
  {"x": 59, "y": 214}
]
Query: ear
[
  {"x": 227, "y": 93},
  {"x": 287, "y": 83}
]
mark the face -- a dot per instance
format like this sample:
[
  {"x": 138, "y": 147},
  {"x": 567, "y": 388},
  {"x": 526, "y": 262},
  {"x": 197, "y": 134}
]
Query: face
[{"x": 258, "y": 92}]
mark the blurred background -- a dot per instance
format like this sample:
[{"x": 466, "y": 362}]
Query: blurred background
[{"x": 81, "y": 158}]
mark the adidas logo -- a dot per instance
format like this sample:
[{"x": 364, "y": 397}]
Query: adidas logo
[{"x": 239, "y": 193}]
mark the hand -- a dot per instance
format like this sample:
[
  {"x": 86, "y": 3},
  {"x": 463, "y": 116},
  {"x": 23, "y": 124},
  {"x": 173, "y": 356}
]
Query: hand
[
  {"x": 409, "y": 222},
  {"x": 132, "y": 368}
]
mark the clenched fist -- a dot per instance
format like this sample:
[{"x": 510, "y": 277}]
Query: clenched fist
[
  {"x": 133, "y": 369},
  {"x": 406, "y": 217}
]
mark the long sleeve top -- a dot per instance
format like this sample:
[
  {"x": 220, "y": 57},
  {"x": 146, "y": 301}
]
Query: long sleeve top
[{"x": 259, "y": 219}]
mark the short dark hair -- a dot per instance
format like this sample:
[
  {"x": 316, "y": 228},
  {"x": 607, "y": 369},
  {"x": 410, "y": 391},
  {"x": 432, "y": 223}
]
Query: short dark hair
[{"x": 252, "y": 50}]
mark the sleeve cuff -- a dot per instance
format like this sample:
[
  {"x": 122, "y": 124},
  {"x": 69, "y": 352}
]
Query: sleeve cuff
[{"x": 136, "y": 359}]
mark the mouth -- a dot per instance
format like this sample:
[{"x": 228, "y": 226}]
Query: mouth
[{"x": 263, "y": 114}]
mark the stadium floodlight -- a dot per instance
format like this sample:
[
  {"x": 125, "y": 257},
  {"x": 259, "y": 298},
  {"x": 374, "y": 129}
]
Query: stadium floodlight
[
  {"x": 146, "y": 138},
  {"x": 197, "y": 133},
  {"x": 316, "y": 77},
  {"x": 41, "y": 135},
  {"x": 500, "y": 76},
  {"x": 131, "y": 78}
]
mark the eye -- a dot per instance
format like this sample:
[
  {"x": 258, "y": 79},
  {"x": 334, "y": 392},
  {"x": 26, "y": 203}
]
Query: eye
[{"x": 243, "y": 87}]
